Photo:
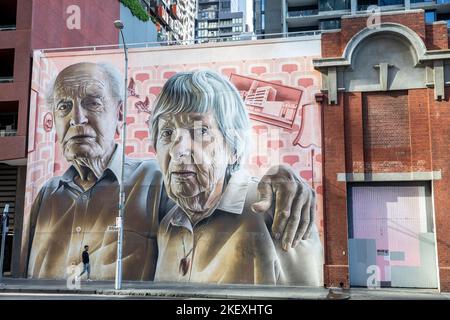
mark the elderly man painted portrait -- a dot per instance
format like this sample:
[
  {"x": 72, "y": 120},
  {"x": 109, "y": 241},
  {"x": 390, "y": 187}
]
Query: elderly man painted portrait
[
  {"x": 200, "y": 131},
  {"x": 76, "y": 208}
]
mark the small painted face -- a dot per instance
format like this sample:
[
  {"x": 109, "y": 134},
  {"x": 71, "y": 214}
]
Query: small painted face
[
  {"x": 193, "y": 157},
  {"x": 86, "y": 115}
]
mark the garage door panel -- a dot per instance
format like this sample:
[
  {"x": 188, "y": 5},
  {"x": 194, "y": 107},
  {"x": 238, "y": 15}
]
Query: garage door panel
[{"x": 398, "y": 219}]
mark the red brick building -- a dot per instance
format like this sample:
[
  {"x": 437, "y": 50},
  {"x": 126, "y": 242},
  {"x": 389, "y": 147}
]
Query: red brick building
[{"x": 386, "y": 130}]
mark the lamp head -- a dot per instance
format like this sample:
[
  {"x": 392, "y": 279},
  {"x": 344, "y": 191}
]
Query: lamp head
[{"x": 118, "y": 24}]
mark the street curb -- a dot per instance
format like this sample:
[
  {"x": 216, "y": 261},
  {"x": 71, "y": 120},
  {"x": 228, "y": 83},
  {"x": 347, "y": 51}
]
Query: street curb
[
  {"x": 164, "y": 293},
  {"x": 204, "y": 295},
  {"x": 49, "y": 291},
  {"x": 158, "y": 293}
]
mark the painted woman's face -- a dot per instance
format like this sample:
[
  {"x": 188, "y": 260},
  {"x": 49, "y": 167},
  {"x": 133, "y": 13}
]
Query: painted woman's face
[{"x": 193, "y": 157}]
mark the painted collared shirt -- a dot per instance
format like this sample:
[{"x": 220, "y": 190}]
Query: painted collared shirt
[
  {"x": 65, "y": 218},
  {"x": 233, "y": 245}
]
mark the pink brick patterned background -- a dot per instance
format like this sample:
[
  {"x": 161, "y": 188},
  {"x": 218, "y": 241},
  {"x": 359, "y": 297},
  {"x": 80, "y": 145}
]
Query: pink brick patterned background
[{"x": 298, "y": 147}]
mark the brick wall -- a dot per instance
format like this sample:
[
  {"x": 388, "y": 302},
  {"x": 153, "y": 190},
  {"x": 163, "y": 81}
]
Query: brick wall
[
  {"x": 354, "y": 149},
  {"x": 387, "y": 146},
  {"x": 335, "y": 195},
  {"x": 331, "y": 44},
  {"x": 440, "y": 153},
  {"x": 400, "y": 131},
  {"x": 436, "y": 36}
]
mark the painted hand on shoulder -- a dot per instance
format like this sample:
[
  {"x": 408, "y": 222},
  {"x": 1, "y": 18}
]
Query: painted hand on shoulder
[{"x": 295, "y": 205}]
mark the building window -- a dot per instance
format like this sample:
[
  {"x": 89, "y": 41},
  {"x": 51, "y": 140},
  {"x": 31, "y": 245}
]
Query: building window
[
  {"x": 8, "y": 118},
  {"x": 330, "y": 24},
  {"x": 430, "y": 16},
  {"x": 226, "y": 30},
  {"x": 209, "y": 8},
  {"x": 212, "y": 34},
  {"x": 6, "y": 65},
  {"x": 225, "y": 6},
  {"x": 363, "y": 5},
  {"x": 225, "y": 22},
  {"x": 391, "y": 2},
  {"x": 331, "y": 5},
  {"x": 203, "y": 25},
  {"x": 207, "y": 15},
  {"x": 443, "y": 17},
  {"x": 8, "y": 15},
  {"x": 237, "y": 29},
  {"x": 202, "y": 33}
]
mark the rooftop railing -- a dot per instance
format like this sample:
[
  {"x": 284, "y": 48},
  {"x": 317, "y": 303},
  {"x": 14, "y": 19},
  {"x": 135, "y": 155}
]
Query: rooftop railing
[
  {"x": 243, "y": 36},
  {"x": 303, "y": 13}
]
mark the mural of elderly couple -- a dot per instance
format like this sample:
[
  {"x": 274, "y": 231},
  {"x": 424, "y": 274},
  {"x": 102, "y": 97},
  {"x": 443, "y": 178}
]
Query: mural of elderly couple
[{"x": 203, "y": 129}]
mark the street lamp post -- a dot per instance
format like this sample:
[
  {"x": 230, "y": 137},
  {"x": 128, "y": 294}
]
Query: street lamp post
[
  {"x": 119, "y": 223},
  {"x": 4, "y": 220}
]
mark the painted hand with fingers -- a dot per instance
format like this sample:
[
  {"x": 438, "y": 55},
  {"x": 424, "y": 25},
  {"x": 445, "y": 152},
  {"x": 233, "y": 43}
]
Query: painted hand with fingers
[{"x": 295, "y": 205}]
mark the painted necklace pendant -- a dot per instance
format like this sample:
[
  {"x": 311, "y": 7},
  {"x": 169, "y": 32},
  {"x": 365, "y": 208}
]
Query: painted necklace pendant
[{"x": 185, "y": 264}]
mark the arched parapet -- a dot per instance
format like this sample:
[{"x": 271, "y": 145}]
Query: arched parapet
[
  {"x": 386, "y": 57},
  {"x": 394, "y": 29}
]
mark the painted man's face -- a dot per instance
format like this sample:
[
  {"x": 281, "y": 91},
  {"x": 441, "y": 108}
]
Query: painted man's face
[
  {"x": 86, "y": 115},
  {"x": 193, "y": 157}
]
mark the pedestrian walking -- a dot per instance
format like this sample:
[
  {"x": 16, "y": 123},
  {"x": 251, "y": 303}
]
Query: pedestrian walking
[{"x": 86, "y": 265}]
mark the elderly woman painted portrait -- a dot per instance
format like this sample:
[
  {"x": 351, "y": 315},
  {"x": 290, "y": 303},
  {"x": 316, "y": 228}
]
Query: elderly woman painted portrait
[
  {"x": 76, "y": 208},
  {"x": 200, "y": 130}
]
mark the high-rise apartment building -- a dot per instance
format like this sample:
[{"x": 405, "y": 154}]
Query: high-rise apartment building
[
  {"x": 175, "y": 19},
  {"x": 282, "y": 16},
  {"x": 219, "y": 20}
]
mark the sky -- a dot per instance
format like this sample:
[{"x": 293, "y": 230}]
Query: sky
[{"x": 249, "y": 17}]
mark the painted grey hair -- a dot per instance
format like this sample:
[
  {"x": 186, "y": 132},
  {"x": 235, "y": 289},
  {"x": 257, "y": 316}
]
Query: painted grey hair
[
  {"x": 113, "y": 76},
  {"x": 203, "y": 91}
]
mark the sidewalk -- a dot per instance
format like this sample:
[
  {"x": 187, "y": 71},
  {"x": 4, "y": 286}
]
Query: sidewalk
[{"x": 199, "y": 291}]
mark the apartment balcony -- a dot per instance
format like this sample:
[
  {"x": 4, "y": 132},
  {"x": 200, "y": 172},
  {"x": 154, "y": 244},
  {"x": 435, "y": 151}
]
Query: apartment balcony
[
  {"x": 299, "y": 3},
  {"x": 303, "y": 13},
  {"x": 229, "y": 34},
  {"x": 440, "y": 6},
  {"x": 384, "y": 5},
  {"x": 208, "y": 17},
  {"x": 174, "y": 11},
  {"x": 311, "y": 18}
]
